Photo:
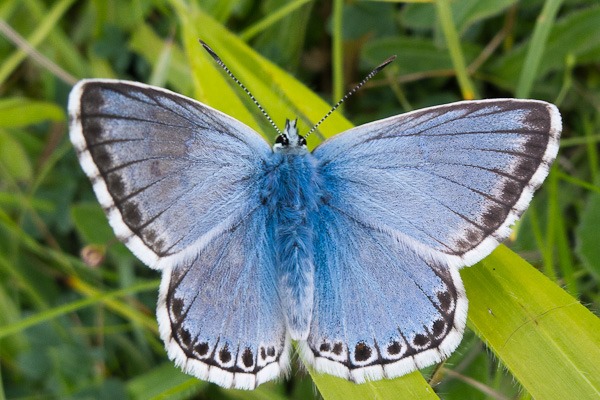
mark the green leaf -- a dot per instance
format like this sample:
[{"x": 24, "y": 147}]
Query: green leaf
[
  {"x": 465, "y": 13},
  {"x": 42, "y": 30},
  {"x": 90, "y": 222},
  {"x": 16, "y": 112},
  {"x": 587, "y": 235},
  {"x": 14, "y": 159},
  {"x": 575, "y": 34},
  {"x": 162, "y": 382},
  {"x": 415, "y": 55},
  {"x": 146, "y": 42},
  {"x": 536, "y": 48},
  {"x": 412, "y": 386},
  {"x": 545, "y": 337}
]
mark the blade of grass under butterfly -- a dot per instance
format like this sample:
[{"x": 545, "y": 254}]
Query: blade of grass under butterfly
[{"x": 545, "y": 337}]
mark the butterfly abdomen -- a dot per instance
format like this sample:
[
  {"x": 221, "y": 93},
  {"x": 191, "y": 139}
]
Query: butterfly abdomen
[{"x": 292, "y": 200}]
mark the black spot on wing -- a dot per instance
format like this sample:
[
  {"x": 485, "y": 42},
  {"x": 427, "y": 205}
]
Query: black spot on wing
[
  {"x": 394, "y": 348},
  {"x": 201, "y": 348},
  {"x": 362, "y": 351},
  {"x": 131, "y": 214},
  {"x": 248, "y": 358},
  {"x": 225, "y": 354},
  {"x": 92, "y": 98},
  {"x": 101, "y": 156},
  {"x": 338, "y": 348},
  {"x": 115, "y": 185},
  {"x": 439, "y": 328},
  {"x": 493, "y": 217},
  {"x": 420, "y": 340}
]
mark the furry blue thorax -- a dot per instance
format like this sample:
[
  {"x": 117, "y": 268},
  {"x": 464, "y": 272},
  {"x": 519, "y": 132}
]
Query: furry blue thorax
[{"x": 292, "y": 194}]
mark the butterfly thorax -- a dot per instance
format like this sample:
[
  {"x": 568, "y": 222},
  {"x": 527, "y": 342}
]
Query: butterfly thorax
[{"x": 292, "y": 197}]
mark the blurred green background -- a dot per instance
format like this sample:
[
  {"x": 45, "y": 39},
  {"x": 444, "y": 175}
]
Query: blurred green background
[{"x": 71, "y": 329}]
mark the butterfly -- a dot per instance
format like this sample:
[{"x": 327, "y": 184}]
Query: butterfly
[{"x": 352, "y": 250}]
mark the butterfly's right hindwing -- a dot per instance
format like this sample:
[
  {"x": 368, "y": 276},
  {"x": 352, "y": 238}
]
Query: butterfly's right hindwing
[{"x": 169, "y": 171}]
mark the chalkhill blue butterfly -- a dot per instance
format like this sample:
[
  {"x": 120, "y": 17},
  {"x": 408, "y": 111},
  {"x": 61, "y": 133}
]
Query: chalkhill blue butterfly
[{"x": 352, "y": 250}]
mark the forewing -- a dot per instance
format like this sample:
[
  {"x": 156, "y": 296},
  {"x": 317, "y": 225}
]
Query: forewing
[
  {"x": 170, "y": 172},
  {"x": 381, "y": 309},
  {"x": 219, "y": 313},
  {"x": 446, "y": 180}
]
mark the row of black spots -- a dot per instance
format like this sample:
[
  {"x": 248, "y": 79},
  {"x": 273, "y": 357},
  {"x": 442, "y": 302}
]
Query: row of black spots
[
  {"x": 129, "y": 209},
  {"x": 201, "y": 350},
  {"x": 336, "y": 349}
]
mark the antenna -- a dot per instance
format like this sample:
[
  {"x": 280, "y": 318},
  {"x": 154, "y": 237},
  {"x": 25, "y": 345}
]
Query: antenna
[
  {"x": 351, "y": 92},
  {"x": 236, "y": 80}
]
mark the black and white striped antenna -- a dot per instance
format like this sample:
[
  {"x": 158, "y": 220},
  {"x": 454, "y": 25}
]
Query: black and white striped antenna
[
  {"x": 236, "y": 80},
  {"x": 351, "y": 92}
]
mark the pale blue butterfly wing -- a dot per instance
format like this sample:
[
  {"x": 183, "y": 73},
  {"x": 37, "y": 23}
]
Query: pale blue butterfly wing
[
  {"x": 409, "y": 200},
  {"x": 219, "y": 313},
  {"x": 178, "y": 181},
  {"x": 381, "y": 309}
]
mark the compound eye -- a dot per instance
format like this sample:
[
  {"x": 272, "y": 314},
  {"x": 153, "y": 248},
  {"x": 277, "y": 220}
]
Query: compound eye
[
  {"x": 301, "y": 141},
  {"x": 282, "y": 140}
]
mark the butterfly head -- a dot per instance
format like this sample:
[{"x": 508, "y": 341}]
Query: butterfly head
[{"x": 290, "y": 138}]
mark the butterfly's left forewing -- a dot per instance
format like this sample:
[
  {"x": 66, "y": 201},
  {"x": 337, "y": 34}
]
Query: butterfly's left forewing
[{"x": 170, "y": 172}]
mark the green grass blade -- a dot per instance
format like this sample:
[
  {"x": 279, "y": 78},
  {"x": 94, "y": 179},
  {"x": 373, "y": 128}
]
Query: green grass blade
[
  {"x": 338, "y": 50},
  {"x": 95, "y": 298},
  {"x": 411, "y": 386},
  {"x": 42, "y": 31},
  {"x": 545, "y": 337},
  {"x": 537, "y": 45},
  {"x": 164, "y": 382},
  {"x": 271, "y": 19},
  {"x": 453, "y": 43}
]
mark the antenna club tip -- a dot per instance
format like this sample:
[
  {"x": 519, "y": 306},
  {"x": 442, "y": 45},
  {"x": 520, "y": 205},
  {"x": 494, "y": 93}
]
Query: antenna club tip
[
  {"x": 209, "y": 50},
  {"x": 385, "y": 63}
]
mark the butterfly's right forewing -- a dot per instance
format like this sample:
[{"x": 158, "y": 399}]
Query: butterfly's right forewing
[{"x": 448, "y": 180}]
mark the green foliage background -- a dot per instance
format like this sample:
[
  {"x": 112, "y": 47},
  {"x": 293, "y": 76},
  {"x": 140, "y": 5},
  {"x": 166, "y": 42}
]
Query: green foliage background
[{"x": 70, "y": 330}]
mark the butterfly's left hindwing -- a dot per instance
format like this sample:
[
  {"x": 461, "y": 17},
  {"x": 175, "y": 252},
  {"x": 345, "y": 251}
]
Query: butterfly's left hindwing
[{"x": 219, "y": 313}]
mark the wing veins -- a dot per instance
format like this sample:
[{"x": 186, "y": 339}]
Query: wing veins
[{"x": 190, "y": 230}]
